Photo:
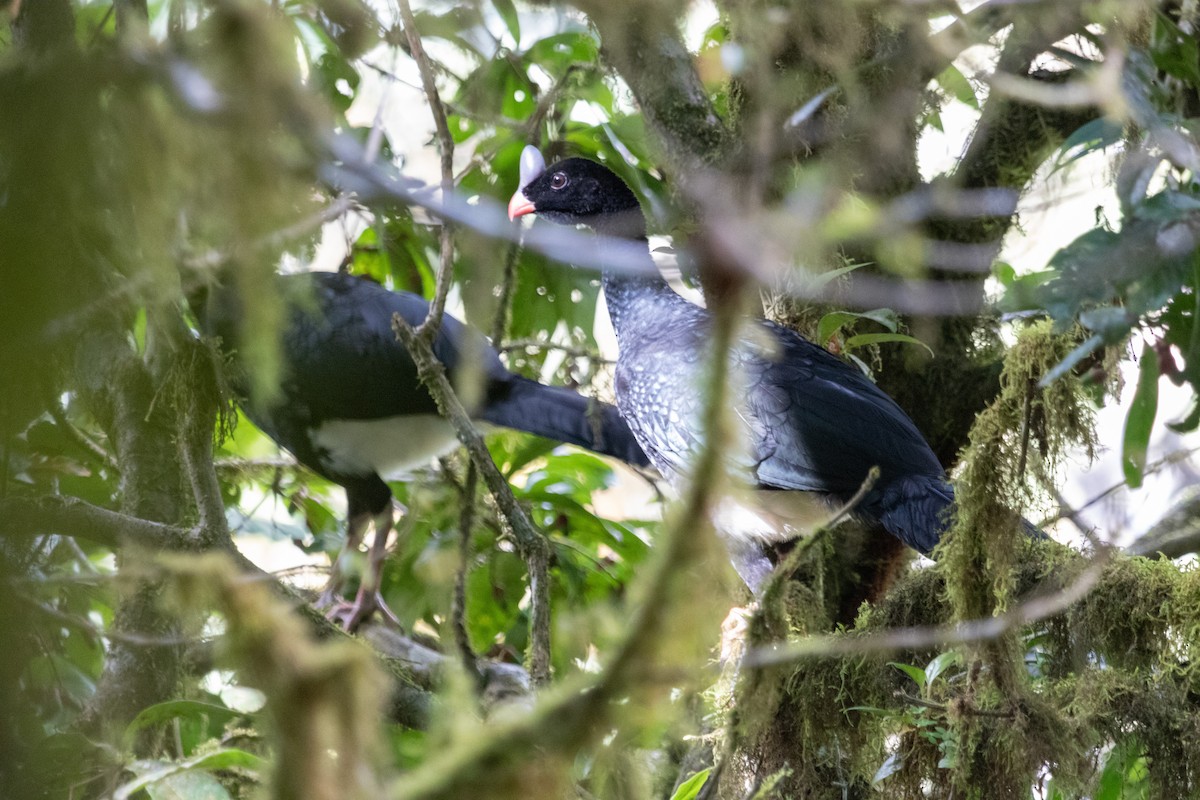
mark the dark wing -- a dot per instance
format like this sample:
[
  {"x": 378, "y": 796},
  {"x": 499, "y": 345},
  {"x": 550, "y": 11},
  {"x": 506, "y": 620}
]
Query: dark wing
[
  {"x": 342, "y": 358},
  {"x": 817, "y": 423}
]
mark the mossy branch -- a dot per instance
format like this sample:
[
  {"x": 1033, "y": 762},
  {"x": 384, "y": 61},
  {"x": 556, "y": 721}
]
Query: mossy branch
[{"x": 531, "y": 543}]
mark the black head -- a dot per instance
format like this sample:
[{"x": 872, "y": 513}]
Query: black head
[{"x": 576, "y": 191}]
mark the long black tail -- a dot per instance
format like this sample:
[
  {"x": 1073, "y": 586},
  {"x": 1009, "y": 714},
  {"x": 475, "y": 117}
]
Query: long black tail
[
  {"x": 565, "y": 415},
  {"x": 916, "y": 510}
]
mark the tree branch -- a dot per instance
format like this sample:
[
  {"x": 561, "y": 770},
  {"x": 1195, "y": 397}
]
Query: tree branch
[
  {"x": 532, "y": 544},
  {"x": 70, "y": 516}
]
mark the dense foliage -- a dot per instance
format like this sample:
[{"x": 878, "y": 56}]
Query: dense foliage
[{"x": 148, "y": 147}]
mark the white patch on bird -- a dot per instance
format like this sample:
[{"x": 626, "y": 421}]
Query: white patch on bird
[
  {"x": 392, "y": 447},
  {"x": 774, "y": 515}
]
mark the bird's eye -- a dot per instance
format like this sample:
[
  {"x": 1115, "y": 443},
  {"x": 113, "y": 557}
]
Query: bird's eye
[{"x": 558, "y": 180}]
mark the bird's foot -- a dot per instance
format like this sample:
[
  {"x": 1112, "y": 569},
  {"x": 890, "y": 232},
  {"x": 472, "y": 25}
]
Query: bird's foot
[
  {"x": 329, "y": 598},
  {"x": 350, "y": 615}
]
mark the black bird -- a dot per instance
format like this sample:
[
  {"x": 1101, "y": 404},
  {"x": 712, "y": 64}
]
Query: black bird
[
  {"x": 351, "y": 407},
  {"x": 809, "y": 421}
]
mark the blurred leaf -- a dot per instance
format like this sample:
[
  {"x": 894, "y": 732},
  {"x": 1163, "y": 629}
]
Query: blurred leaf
[
  {"x": 558, "y": 52},
  {"x": 512, "y": 21},
  {"x": 832, "y": 322},
  {"x": 1091, "y": 137},
  {"x": 690, "y": 789},
  {"x": 190, "y": 785},
  {"x": 165, "y": 779},
  {"x": 1139, "y": 422},
  {"x": 452, "y": 25},
  {"x": 1175, "y": 52},
  {"x": 916, "y": 673},
  {"x": 337, "y": 79},
  {"x": 1124, "y": 774},
  {"x": 891, "y": 765},
  {"x": 203, "y": 716},
  {"x": 864, "y": 339},
  {"x": 957, "y": 86}
]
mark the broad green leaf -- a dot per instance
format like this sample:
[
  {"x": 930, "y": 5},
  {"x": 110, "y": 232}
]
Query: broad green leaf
[
  {"x": 1088, "y": 138},
  {"x": 864, "y": 339},
  {"x": 957, "y": 86},
  {"x": 193, "y": 784},
  {"x": 1140, "y": 420},
  {"x": 832, "y": 322},
  {"x": 1124, "y": 773},
  {"x": 1175, "y": 52},
  {"x": 561, "y": 50},
  {"x": 916, "y": 673},
  {"x": 940, "y": 664},
  {"x": 173, "y": 709},
  {"x": 690, "y": 789}
]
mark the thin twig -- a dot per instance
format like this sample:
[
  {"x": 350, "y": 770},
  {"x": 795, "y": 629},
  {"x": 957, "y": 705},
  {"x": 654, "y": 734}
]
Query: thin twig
[
  {"x": 925, "y": 637},
  {"x": 458, "y": 607},
  {"x": 531, "y": 543},
  {"x": 569, "y": 350},
  {"x": 507, "y": 282},
  {"x": 795, "y": 558},
  {"x": 85, "y": 442},
  {"x": 437, "y": 306}
]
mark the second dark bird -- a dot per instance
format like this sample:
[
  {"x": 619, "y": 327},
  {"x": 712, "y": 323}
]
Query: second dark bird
[{"x": 352, "y": 408}]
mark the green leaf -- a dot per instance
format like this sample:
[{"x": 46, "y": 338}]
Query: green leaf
[
  {"x": 940, "y": 664},
  {"x": 159, "y": 713},
  {"x": 151, "y": 773},
  {"x": 1140, "y": 420},
  {"x": 916, "y": 673},
  {"x": 690, "y": 789},
  {"x": 1190, "y": 422},
  {"x": 1088, "y": 138},
  {"x": 1124, "y": 773},
  {"x": 508, "y": 13},
  {"x": 832, "y": 322},
  {"x": 864, "y": 339},
  {"x": 957, "y": 86},
  {"x": 1175, "y": 52},
  {"x": 191, "y": 785}
]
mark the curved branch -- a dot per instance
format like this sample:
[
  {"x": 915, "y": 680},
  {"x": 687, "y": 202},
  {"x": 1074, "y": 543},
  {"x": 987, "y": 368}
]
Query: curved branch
[{"x": 70, "y": 516}]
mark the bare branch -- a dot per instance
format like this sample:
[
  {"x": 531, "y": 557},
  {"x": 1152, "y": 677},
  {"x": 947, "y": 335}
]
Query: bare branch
[
  {"x": 70, "y": 516},
  {"x": 85, "y": 442}
]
